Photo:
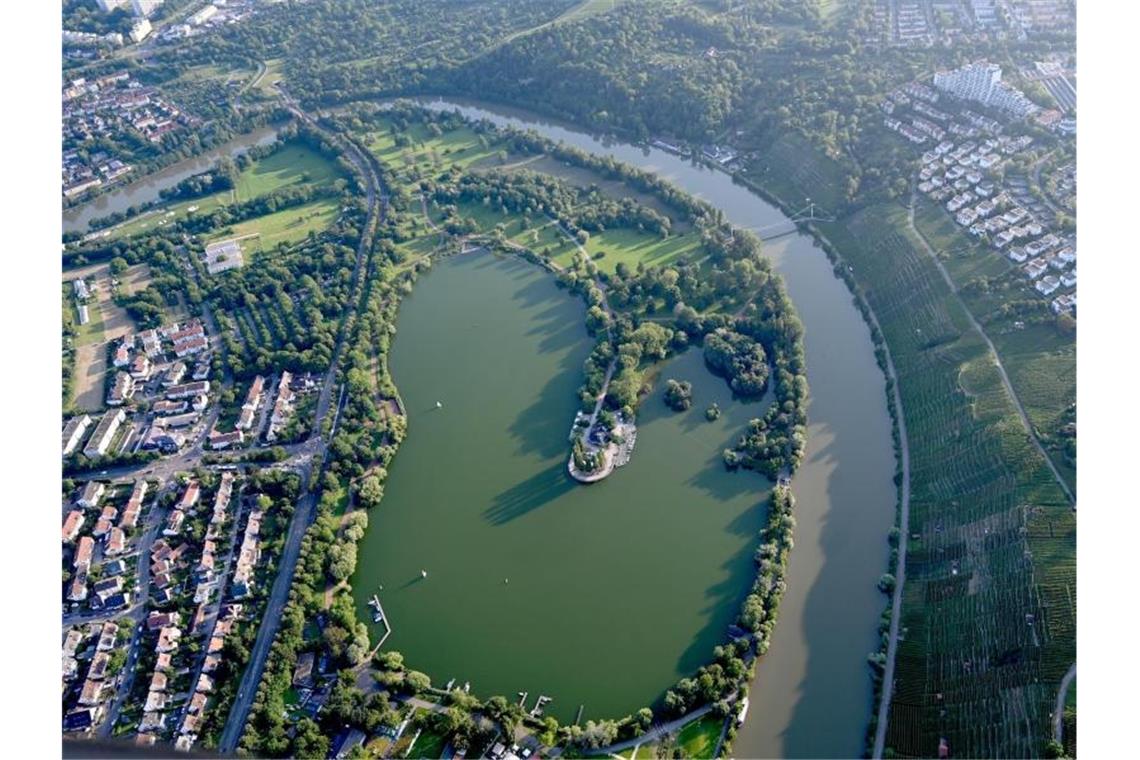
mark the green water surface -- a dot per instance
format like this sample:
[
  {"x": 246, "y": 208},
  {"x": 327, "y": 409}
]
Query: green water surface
[{"x": 600, "y": 595}]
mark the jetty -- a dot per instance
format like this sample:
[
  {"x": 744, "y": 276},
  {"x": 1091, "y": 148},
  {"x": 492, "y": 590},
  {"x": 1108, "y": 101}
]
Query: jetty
[{"x": 379, "y": 616}]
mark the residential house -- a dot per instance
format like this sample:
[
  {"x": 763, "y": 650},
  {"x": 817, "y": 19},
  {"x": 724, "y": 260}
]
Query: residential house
[
  {"x": 116, "y": 542},
  {"x": 71, "y": 525},
  {"x": 140, "y": 368},
  {"x": 168, "y": 639},
  {"x": 122, "y": 390},
  {"x": 83, "y": 552},
  {"x": 91, "y": 494}
]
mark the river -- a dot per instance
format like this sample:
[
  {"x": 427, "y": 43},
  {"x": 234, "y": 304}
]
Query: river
[
  {"x": 148, "y": 188},
  {"x": 812, "y": 693}
]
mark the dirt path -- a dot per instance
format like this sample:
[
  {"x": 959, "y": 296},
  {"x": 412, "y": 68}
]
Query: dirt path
[
  {"x": 1059, "y": 709},
  {"x": 90, "y": 367}
]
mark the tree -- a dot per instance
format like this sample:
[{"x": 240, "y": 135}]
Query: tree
[
  {"x": 370, "y": 492},
  {"x": 308, "y": 741},
  {"x": 417, "y": 682},
  {"x": 678, "y": 395},
  {"x": 118, "y": 265}
]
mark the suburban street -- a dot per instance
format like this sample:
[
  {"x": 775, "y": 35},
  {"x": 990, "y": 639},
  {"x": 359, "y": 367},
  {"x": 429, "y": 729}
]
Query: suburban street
[{"x": 155, "y": 520}]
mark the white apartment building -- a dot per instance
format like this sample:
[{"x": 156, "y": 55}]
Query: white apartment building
[
  {"x": 981, "y": 82},
  {"x": 144, "y": 8}
]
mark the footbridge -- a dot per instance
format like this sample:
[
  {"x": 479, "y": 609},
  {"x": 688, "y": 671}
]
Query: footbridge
[{"x": 809, "y": 213}]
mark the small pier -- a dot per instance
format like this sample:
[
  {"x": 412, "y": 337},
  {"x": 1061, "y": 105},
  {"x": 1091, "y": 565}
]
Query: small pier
[{"x": 379, "y": 616}]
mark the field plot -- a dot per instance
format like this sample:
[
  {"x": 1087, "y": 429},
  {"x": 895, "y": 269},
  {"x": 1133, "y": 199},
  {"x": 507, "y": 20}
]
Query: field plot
[
  {"x": 988, "y": 625},
  {"x": 107, "y": 322},
  {"x": 1040, "y": 360}
]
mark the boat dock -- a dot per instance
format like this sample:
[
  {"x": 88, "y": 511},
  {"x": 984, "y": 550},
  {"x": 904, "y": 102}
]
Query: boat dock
[{"x": 379, "y": 616}]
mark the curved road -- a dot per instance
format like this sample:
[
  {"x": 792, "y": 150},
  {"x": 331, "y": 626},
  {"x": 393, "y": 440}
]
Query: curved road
[
  {"x": 904, "y": 531},
  {"x": 993, "y": 350},
  {"x": 1059, "y": 709}
]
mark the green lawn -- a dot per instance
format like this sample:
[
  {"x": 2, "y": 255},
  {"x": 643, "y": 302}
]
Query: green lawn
[
  {"x": 699, "y": 739},
  {"x": 289, "y": 226},
  {"x": 433, "y": 154},
  {"x": 429, "y": 745},
  {"x": 92, "y": 332},
  {"x": 632, "y": 247},
  {"x": 292, "y": 165},
  {"x": 273, "y": 74}
]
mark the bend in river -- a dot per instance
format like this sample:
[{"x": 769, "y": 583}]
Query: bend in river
[
  {"x": 150, "y": 187},
  {"x": 815, "y": 673}
]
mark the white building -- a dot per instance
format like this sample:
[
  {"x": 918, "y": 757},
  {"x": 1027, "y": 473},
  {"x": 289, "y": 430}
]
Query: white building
[
  {"x": 74, "y": 431},
  {"x": 981, "y": 82},
  {"x": 104, "y": 433},
  {"x": 203, "y": 15},
  {"x": 144, "y": 8},
  {"x": 109, "y": 5},
  {"x": 140, "y": 30}
]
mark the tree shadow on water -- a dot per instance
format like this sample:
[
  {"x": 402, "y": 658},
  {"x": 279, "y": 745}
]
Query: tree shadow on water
[{"x": 527, "y": 496}]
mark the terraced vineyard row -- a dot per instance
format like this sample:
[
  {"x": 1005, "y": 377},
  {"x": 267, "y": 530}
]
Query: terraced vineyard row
[{"x": 988, "y": 628}]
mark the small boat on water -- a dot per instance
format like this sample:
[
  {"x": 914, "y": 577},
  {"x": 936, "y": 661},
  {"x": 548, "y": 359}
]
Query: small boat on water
[
  {"x": 423, "y": 573},
  {"x": 438, "y": 404}
]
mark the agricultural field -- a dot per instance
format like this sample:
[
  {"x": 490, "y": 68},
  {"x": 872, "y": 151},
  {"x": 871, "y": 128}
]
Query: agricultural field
[
  {"x": 988, "y": 606},
  {"x": 1039, "y": 358}
]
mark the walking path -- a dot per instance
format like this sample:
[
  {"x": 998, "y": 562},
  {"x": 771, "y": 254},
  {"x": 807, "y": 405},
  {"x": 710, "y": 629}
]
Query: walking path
[
  {"x": 993, "y": 350},
  {"x": 657, "y": 732},
  {"x": 1059, "y": 709}
]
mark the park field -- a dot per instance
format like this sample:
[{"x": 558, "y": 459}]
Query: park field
[
  {"x": 282, "y": 227},
  {"x": 698, "y": 740},
  {"x": 432, "y": 155},
  {"x": 632, "y": 247}
]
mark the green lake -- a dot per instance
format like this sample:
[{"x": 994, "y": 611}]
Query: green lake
[{"x": 600, "y": 595}]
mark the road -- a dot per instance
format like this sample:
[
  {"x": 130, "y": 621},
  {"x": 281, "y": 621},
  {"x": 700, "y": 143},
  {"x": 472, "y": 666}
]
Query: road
[
  {"x": 993, "y": 350},
  {"x": 904, "y": 533},
  {"x": 306, "y": 506},
  {"x": 1059, "y": 709},
  {"x": 219, "y": 595},
  {"x": 155, "y": 520}
]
